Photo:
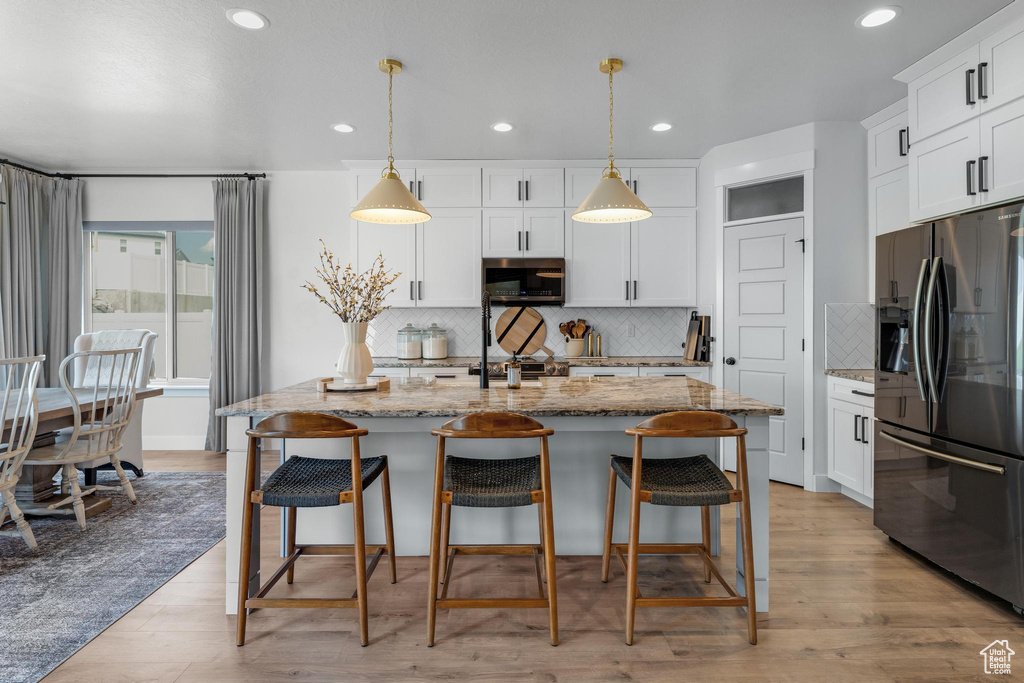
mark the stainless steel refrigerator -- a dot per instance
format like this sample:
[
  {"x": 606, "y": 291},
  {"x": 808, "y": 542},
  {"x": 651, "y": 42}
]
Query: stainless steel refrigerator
[{"x": 949, "y": 394}]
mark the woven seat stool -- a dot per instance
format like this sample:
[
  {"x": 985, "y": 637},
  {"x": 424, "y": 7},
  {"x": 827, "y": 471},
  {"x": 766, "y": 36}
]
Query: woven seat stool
[
  {"x": 313, "y": 482},
  {"x": 689, "y": 482},
  {"x": 486, "y": 483}
]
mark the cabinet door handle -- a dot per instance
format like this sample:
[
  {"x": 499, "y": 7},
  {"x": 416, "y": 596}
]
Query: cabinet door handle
[
  {"x": 519, "y": 240},
  {"x": 864, "y": 429},
  {"x": 527, "y": 232},
  {"x": 527, "y": 182},
  {"x": 444, "y": 376},
  {"x": 519, "y": 183},
  {"x": 982, "y": 163},
  {"x": 419, "y": 189},
  {"x": 903, "y": 150},
  {"x": 856, "y": 422},
  {"x": 969, "y": 78},
  {"x": 412, "y": 290},
  {"x": 412, "y": 187},
  {"x": 627, "y": 290},
  {"x": 419, "y": 289},
  {"x": 595, "y": 375},
  {"x": 970, "y": 178},
  {"x": 982, "y": 87},
  {"x": 634, "y": 290},
  {"x": 635, "y": 185},
  {"x": 858, "y": 392}
]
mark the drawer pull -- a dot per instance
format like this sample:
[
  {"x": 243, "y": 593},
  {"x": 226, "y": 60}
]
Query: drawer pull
[{"x": 862, "y": 393}]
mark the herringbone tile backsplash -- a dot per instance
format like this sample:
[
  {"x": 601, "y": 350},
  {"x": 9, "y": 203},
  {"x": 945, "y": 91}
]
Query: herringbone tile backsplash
[
  {"x": 656, "y": 331},
  {"x": 849, "y": 336}
]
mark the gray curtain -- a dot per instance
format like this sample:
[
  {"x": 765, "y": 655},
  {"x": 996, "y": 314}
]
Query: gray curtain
[
  {"x": 22, "y": 225},
  {"x": 64, "y": 272},
  {"x": 237, "y": 298}
]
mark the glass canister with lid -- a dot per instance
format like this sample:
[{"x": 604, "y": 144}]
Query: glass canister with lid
[
  {"x": 435, "y": 342},
  {"x": 410, "y": 346}
]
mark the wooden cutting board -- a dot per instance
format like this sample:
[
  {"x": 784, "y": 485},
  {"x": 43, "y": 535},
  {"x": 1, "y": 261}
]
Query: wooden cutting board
[{"x": 521, "y": 331}]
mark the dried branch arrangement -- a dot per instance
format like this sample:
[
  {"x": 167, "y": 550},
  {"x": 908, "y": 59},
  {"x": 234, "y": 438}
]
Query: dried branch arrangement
[{"x": 353, "y": 297}]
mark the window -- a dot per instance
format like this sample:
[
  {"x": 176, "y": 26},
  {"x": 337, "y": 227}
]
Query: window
[
  {"x": 773, "y": 198},
  {"x": 159, "y": 277}
]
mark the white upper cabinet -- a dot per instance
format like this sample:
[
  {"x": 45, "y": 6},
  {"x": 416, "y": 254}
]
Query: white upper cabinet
[
  {"x": 665, "y": 187},
  {"x": 580, "y": 182},
  {"x": 543, "y": 233},
  {"x": 448, "y": 187},
  {"x": 1001, "y": 66},
  {"x": 526, "y": 187},
  {"x": 888, "y": 210},
  {"x": 664, "y": 259},
  {"x": 888, "y": 144},
  {"x": 397, "y": 243},
  {"x": 597, "y": 261},
  {"x": 448, "y": 259},
  {"x": 364, "y": 180},
  {"x": 503, "y": 233},
  {"x": 943, "y": 172},
  {"x": 1001, "y": 162},
  {"x": 945, "y": 96}
]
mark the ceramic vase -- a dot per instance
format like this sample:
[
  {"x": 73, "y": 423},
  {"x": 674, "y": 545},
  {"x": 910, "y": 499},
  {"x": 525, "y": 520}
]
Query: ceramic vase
[{"x": 355, "y": 362}]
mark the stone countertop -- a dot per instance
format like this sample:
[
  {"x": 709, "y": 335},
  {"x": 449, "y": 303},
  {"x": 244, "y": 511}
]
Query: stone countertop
[
  {"x": 856, "y": 375},
  {"x": 551, "y": 396},
  {"x": 611, "y": 361}
]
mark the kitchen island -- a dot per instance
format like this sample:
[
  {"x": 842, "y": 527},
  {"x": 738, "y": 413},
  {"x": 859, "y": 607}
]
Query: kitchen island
[{"x": 588, "y": 415}]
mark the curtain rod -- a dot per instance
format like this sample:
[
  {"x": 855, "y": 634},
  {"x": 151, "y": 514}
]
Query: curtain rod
[
  {"x": 34, "y": 170},
  {"x": 69, "y": 176}
]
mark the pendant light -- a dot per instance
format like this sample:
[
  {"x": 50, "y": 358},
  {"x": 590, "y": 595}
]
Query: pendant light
[
  {"x": 390, "y": 200},
  {"x": 611, "y": 201}
]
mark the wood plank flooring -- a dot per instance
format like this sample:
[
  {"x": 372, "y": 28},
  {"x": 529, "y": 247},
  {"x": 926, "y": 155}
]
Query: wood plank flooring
[{"x": 846, "y": 605}]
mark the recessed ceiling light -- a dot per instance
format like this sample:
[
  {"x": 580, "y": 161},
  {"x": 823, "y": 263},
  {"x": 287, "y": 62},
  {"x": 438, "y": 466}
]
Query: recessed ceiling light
[
  {"x": 877, "y": 17},
  {"x": 343, "y": 127},
  {"x": 661, "y": 127},
  {"x": 502, "y": 127},
  {"x": 246, "y": 18}
]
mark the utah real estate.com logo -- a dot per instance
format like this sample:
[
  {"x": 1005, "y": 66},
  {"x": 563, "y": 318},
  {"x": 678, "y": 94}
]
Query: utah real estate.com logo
[{"x": 997, "y": 657}]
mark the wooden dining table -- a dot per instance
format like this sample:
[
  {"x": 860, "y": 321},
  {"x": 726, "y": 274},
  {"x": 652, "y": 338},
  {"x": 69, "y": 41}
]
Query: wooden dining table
[{"x": 36, "y": 489}]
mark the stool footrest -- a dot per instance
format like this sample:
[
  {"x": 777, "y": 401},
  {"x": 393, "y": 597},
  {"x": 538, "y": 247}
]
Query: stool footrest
[
  {"x": 622, "y": 549},
  {"x": 336, "y": 549},
  {"x": 301, "y": 603},
  {"x": 490, "y": 603},
  {"x": 692, "y": 602},
  {"x": 523, "y": 549}
]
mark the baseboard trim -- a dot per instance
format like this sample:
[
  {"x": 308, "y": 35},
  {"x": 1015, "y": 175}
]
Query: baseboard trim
[
  {"x": 173, "y": 443},
  {"x": 859, "y": 497},
  {"x": 820, "y": 483}
]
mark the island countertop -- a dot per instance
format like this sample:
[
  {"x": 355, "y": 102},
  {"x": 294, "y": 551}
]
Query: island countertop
[{"x": 550, "y": 396}]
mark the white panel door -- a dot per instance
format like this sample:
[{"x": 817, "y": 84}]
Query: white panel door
[
  {"x": 502, "y": 187},
  {"x": 364, "y": 180},
  {"x": 1001, "y": 176},
  {"x": 943, "y": 170},
  {"x": 448, "y": 187},
  {"x": 886, "y": 150},
  {"x": 597, "y": 261},
  {"x": 544, "y": 233},
  {"x": 543, "y": 187},
  {"x": 580, "y": 182},
  {"x": 845, "y": 447},
  {"x": 888, "y": 210},
  {"x": 664, "y": 259},
  {"x": 397, "y": 243},
  {"x": 663, "y": 187},
  {"x": 503, "y": 233},
  {"x": 939, "y": 99},
  {"x": 764, "y": 331},
  {"x": 1002, "y": 77},
  {"x": 448, "y": 259}
]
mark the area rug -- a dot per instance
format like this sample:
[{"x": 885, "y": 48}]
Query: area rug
[{"x": 54, "y": 602}]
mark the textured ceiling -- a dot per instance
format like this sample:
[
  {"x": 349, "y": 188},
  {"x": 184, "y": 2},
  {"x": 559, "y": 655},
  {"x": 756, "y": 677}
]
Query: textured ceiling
[{"x": 124, "y": 84}]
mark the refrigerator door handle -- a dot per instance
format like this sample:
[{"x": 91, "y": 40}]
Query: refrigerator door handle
[
  {"x": 973, "y": 464},
  {"x": 929, "y": 353},
  {"x": 915, "y": 346}
]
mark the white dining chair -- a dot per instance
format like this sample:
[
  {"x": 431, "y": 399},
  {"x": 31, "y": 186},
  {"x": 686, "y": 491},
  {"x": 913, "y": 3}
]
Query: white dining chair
[
  {"x": 106, "y": 409},
  {"x": 18, "y": 380}
]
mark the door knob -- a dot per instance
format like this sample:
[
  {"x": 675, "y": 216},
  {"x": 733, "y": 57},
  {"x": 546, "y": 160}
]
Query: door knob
[{"x": 730, "y": 361}]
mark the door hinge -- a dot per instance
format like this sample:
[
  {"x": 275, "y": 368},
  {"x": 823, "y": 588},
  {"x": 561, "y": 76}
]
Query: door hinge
[
  {"x": 803, "y": 442},
  {"x": 803, "y": 245}
]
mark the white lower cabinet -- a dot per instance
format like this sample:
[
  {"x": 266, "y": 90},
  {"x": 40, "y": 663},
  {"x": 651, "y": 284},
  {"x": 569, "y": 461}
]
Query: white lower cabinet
[
  {"x": 596, "y": 371},
  {"x": 700, "y": 373},
  {"x": 393, "y": 373},
  {"x": 850, "y": 435},
  {"x": 450, "y": 375}
]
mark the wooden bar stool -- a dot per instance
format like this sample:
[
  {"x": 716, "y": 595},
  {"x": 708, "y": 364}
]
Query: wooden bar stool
[
  {"x": 475, "y": 482},
  {"x": 313, "y": 482},
  {"x": 690, "y": 482}
]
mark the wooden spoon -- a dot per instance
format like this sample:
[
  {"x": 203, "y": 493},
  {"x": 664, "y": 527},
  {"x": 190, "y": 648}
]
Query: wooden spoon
[{"x": 579, "y": 330}]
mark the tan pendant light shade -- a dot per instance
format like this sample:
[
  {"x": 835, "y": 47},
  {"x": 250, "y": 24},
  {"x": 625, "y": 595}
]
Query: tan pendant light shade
[
  {"x": 390, "y": 201},
  {"x": 611, "y": 201}
]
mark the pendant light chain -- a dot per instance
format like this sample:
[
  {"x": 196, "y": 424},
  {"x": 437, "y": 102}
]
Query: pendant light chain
[
  {"x": 391, "y": 122},
  {"x": 611, "y": 112}
]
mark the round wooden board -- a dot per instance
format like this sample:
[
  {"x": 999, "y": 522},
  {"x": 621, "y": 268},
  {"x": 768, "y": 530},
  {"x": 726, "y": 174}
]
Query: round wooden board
[{"x": 520, "y": 330}]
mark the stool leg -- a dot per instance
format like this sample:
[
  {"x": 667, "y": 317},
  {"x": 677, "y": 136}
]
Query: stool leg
[
  {"x": 705, "y": 536},
  {"x": 290, "y": 542},
  {"x": 246, "y": 545},
  {"x": 446, "y": 532},
  {"x": 540, "y": 529},
  {"x": 389, "y": 527},
  {"x": 549, "y": 540},
  {"x": 748, "y": 545},
  {"x": 435, "y": 539},
  {"x": 609, "y": 522},
  {"x": 634, "y": 542},
  {"x": 359, "y": 541}
]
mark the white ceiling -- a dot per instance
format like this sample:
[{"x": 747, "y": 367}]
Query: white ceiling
[{"x": 123, "y": 84}]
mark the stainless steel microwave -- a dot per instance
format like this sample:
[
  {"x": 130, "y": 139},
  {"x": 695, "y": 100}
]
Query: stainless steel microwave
[{"x": 531, "y": 281}]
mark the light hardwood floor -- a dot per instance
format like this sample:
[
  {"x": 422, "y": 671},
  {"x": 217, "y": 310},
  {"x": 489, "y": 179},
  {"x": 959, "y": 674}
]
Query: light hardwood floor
[{"x": 846, "y": 605}]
